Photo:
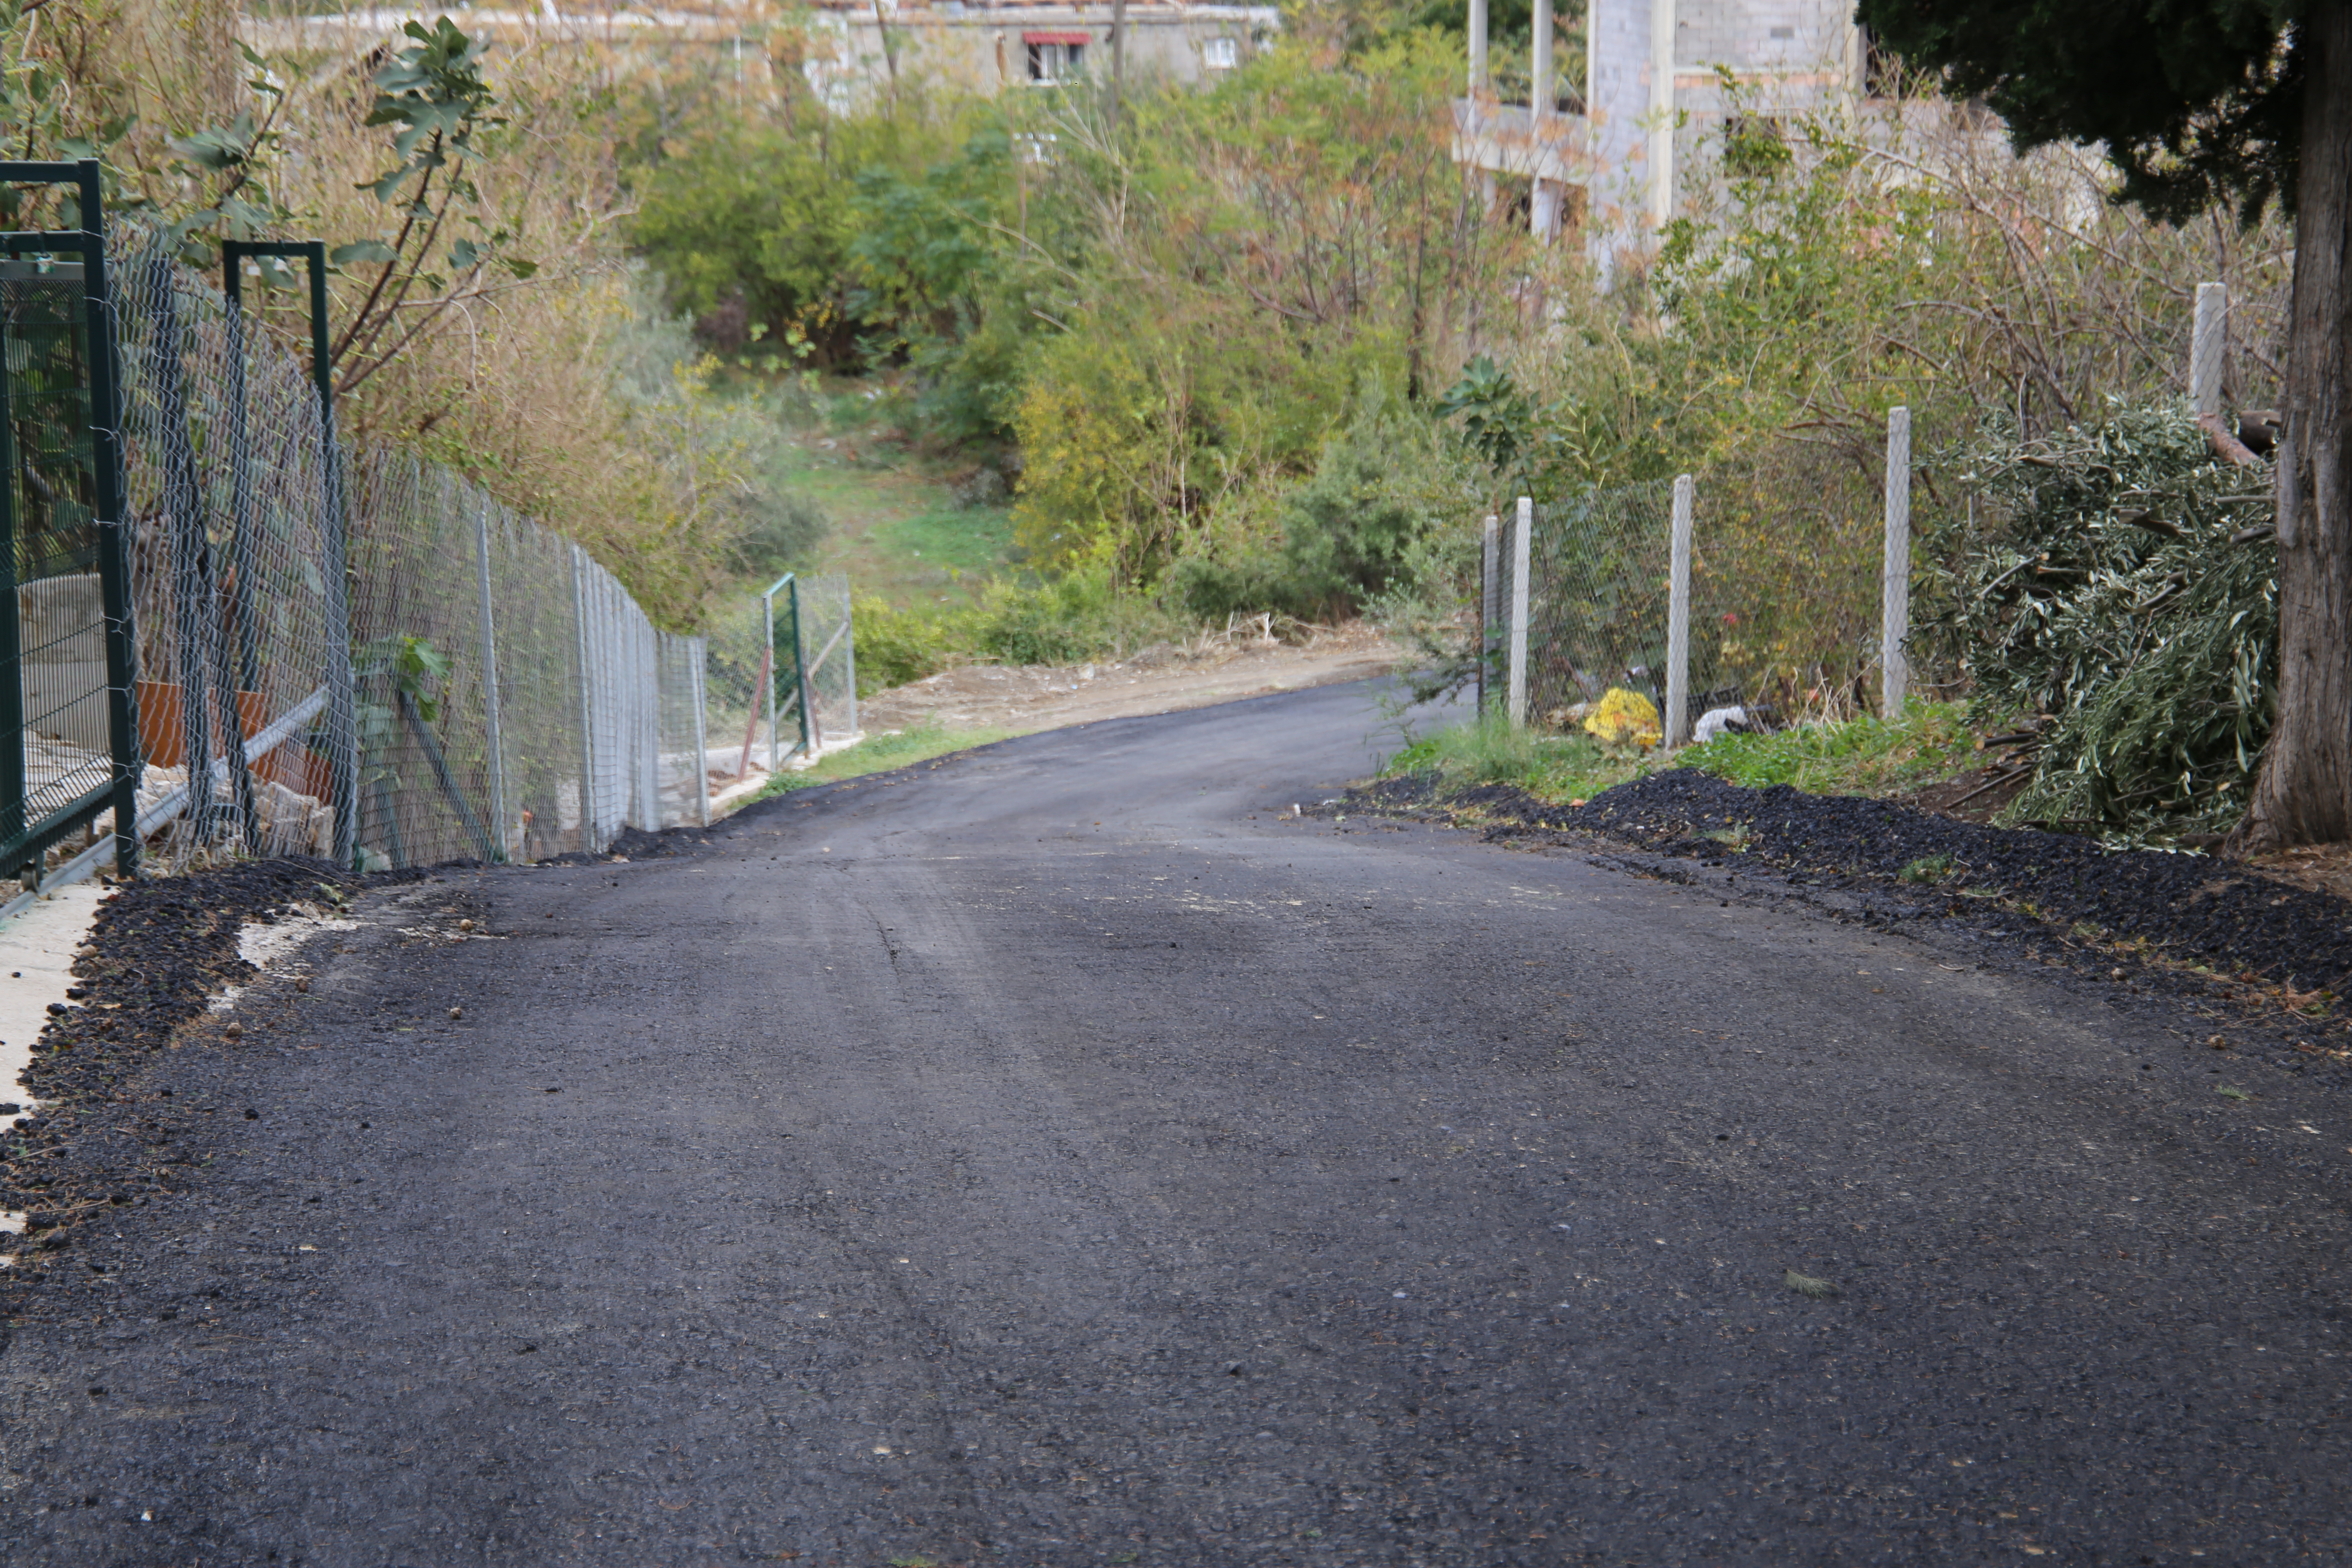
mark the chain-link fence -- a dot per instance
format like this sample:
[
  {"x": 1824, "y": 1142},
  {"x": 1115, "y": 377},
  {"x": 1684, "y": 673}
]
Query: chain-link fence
[
  {"x": 824, "y": 613},
  {"x": 360, "y": 656},
  {"x": 1599, "y": 567},
  {"x": 1777, "y": 616},
  {"x": 755, "y": 681}
]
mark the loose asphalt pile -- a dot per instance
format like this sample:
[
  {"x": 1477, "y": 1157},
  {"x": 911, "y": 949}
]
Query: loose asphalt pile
[
  {"x": 2189, "y": 909},
  {"x": 158, "y": 949}
]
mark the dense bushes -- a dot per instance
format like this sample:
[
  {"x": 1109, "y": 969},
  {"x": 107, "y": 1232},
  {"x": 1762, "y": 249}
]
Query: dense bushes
[
  {"x": 1351, "y": 532},
  {"x": 1077, "y": 615},
  {"x": 1172, "y": 313}
]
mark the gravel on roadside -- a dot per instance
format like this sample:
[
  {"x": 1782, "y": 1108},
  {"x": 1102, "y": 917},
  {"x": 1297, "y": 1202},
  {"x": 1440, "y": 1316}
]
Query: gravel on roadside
[{"x": 159, "y": 949}]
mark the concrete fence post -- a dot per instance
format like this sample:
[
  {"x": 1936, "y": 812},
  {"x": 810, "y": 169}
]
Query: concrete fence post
[
  {"x": 1678, "y": 723},
  {"x": 698, "y": 657},
  {"x": 1490, "y": 602},
  {"x": 2208, "y": 348},
  {"x": 1894, "y": 588},
  {"x": 1522, "y": 551},
  {"x": 498, "y": 813},
  {"x": 581, "y": 633}
]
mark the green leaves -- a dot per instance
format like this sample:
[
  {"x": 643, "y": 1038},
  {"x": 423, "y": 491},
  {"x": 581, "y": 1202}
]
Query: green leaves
[
  {"x": 362, "y": 251},
  {"x": 2152, "y": 648},
  {"x": 1498, "y": 419},
  {"x": 222, "y": 147},
  {"x": 417, "y": 670},
  {"x": 434, "y": 91},
  {"x": 2196, "y": 101}
]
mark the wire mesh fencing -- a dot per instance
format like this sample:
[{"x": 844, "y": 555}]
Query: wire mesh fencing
[
  {"x": 58, "y": 642},
  {"x": 1781, "y": 614},
  {"x": 798, "y": 635},
  {"x": 1597, "y": 598},
  {"x": 350, "y": 654},
  {"x": 827, "y": 636},
  {"x": 224, "y": 472}
]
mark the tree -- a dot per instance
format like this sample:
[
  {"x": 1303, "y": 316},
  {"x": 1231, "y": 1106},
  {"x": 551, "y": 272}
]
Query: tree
[
  {"x": 2240, "y": 103},
  {"x": 433, "y": 92}
]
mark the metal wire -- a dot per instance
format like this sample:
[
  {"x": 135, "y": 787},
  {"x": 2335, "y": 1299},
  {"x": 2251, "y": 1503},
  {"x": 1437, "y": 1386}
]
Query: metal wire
[
  {"x": 1777, "y": 612},
  {"x": 825, "y": 633},
  {"x": 1598, "y": 584},
  {"x": 509, "y": 698},
  {"x": 742, "y": 667}
]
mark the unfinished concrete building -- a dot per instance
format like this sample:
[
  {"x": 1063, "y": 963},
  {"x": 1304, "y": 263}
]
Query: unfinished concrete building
[{"x": 1607, "y": 156}]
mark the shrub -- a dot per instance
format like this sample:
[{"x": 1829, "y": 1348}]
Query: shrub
[{"x": 897, "y": 647}]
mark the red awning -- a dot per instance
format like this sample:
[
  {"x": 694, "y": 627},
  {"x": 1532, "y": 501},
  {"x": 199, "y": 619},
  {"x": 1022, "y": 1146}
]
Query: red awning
[{"x": 1057, "y": 37}]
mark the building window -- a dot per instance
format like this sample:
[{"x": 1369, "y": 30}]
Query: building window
[
  {"x": 1055, "y": 57},
  {"x": 1218, "y": 54}
]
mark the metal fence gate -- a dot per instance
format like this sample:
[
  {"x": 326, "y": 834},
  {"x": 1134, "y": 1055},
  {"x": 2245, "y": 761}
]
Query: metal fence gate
[{"x": 64, "y": 628}]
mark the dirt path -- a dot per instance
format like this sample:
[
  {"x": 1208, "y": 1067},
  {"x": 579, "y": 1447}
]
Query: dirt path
[{"x": 1159, "y": 679}]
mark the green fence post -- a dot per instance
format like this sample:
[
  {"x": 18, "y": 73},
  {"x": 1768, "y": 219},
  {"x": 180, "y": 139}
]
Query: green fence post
[
  {"x": 113, "y": 528},
  {"x": 334, "y": 526},
  {"x": 811, "y": 736}
]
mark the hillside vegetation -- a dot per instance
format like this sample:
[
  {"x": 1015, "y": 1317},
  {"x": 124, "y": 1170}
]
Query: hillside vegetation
[{"x": 1054, "y": 376}]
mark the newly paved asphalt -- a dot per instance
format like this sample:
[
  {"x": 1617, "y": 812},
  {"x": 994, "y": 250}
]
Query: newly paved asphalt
[{"x": 1058, "y": 1157}]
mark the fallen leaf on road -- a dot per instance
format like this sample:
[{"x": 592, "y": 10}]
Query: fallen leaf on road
[
  {"x": 2230, "y": 1091},
  {"x": 1806, "y": 1284}
]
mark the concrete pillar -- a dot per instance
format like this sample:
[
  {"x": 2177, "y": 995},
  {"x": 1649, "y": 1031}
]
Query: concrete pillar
[
  {"x": 1543, "y": 210},
  {"x": 1540, "y": 99},
  {"x": 1678, "y": 594},
  {"x": 1544, "y": 217},
  {"x": 2208, "y": 340},
  {"x": 1894, "y": 601},
  {"x": 1477, "y": 54},
  {"x": 1662, "y": 111},
  {"x": 1522, "y": 557}
]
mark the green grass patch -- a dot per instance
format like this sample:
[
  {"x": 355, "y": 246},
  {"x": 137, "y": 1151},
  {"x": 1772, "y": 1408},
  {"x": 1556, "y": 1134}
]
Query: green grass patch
[
  {"x": 881, "y": 754},
  {"x": 1927, "y": 742},
  {"x": 1930, "y": 740},
  {"x": 1489, "y": 752}
]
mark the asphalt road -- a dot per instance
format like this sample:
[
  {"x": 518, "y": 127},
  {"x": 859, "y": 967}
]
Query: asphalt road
[{"x": 1058, "y": 1157}]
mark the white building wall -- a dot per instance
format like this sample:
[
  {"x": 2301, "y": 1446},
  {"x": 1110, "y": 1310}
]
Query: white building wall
[{"x": 980, "y": 47}]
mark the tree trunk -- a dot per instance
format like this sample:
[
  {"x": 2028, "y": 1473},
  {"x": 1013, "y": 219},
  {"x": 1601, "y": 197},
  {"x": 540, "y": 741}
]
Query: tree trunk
[{"x": 2303, "y": 793}]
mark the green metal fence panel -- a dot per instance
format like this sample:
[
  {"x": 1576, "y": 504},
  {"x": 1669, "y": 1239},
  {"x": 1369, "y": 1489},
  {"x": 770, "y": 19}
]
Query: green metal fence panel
[{"x": 65, "y": 621}]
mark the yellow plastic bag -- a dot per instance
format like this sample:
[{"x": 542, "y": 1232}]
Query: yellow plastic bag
[{"x": 1624, "y": 718}]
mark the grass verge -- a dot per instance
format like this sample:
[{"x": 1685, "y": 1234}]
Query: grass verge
[
  {"x": 1489, "y": 752},
  {"x": 881, "y": 754},
  {"x": 1927, "y": 742},
  {"x": 1866, "y": 756}
]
